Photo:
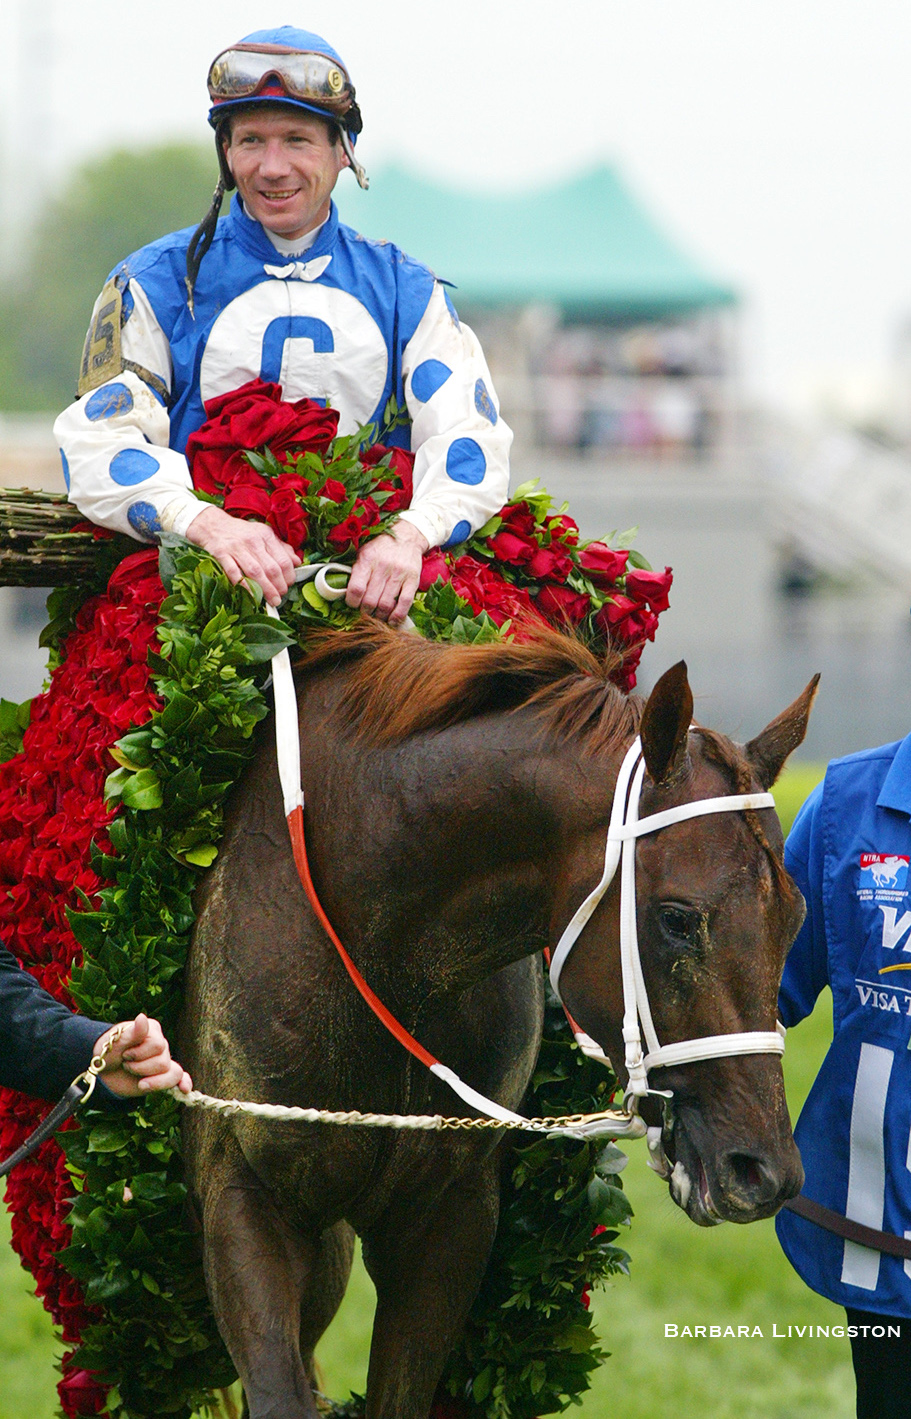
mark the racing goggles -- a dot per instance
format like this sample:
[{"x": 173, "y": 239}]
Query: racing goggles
[{"x": 271, "y": 71}]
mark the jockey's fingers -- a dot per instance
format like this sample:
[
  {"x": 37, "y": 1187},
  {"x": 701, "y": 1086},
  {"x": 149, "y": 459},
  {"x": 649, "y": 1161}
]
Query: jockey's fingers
[
  {"x": 260, "y": 567},
  {"x": 230, "y": 568},
  {"x": 357, "y": 585},
  {"x": 405, "y": 600}
]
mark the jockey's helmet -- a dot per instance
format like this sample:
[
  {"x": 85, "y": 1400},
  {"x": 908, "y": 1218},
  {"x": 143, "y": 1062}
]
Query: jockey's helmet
[{"x": 291, "y": 67}]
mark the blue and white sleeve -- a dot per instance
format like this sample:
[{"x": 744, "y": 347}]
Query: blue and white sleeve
[
  {"x": 461, "y": 445},
  {"x": 119, "y": 470}
]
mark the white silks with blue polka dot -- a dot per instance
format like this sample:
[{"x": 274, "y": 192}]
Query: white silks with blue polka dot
[{"x": 353, "y": 324}]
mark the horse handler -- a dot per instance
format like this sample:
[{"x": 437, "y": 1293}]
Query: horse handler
[
  {"x": 280, "y": 291},
  {"x": 848, "y": 1234},
  {"x": 44, "y": 1046}
]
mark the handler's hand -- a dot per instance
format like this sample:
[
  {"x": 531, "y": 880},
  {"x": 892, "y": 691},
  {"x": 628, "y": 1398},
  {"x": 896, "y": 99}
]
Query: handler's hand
[
  {"x": 246, "y": 549},
  {"x": 141, "y": 1060},
  {"x": 387, "y": 572}
]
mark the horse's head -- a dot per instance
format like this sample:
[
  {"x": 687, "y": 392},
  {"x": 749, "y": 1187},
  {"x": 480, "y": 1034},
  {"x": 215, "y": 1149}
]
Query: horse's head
[{"x": 715, "y": 912}]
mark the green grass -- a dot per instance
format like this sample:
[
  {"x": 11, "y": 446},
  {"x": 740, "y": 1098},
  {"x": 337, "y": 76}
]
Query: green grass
[{"x": 681, "y": 1274}]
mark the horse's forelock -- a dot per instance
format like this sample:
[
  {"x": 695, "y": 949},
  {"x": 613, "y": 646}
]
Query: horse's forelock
[{"x": 398, "y": 685}]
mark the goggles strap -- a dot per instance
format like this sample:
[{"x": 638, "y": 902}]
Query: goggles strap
[{"x": 363, "y": 180}]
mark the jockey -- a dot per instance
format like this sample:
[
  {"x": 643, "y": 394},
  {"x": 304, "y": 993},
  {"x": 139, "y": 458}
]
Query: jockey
[{"x": 281, "y": 290}]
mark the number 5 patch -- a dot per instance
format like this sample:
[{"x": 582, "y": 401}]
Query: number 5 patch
[{"x": 101, "y": 358}]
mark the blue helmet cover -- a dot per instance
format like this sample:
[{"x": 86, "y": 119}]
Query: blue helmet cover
[{"x": 291, "y": 38}]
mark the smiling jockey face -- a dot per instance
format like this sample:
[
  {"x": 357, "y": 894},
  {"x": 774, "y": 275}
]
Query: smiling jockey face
[{"x": 285, "y": 165}]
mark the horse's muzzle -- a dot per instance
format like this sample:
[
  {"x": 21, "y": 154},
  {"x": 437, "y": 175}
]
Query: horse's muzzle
[{"x": 736, "y": 1184}]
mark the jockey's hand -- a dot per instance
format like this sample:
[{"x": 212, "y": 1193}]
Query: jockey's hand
[
  {"x": 386, "y": 573},
  {"x": 140, "y": 1060},
  {"x": 246, "y": 549}
]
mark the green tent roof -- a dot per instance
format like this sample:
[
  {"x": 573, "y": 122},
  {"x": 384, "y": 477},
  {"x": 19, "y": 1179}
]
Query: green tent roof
[{"x": 585, "y": 244}]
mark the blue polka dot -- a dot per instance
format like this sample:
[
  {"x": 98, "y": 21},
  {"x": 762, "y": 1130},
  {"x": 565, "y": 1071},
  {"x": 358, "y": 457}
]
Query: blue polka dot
[
  {"x": 107, "y": 401},
  {"x": 132, "y": 465},
  {"x": 465, "y": 462},
  {"x": 66, "y": 469},
  {"x": 143, "y": 518},
  {"x": 427, "y": 379},
  {"x": 483, "y": 402},
  {"x": 460, "y": 533},
  {"x": 452, "y": 310}
]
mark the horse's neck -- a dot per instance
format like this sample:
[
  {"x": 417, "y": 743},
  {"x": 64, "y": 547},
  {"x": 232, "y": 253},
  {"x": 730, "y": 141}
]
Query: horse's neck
[{"x": 470, "y": 832}]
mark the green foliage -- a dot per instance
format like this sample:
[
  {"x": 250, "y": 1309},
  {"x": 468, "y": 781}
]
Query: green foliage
[
  {"x": 112, "y": 206},
  {"x": 530, "y": 1346},
  {"x": 132, "y": 1252},
  {"x": 13, "y": 724}
]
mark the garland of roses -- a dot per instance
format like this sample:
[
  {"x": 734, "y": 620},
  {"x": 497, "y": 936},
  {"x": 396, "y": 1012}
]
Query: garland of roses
[
  {"x": 147, "y": 1342},
  {"x": 326, "y": 495}
]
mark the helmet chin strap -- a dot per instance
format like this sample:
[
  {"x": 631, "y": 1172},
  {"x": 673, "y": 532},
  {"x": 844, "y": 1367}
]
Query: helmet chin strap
[{"x": 620, "y": 850}]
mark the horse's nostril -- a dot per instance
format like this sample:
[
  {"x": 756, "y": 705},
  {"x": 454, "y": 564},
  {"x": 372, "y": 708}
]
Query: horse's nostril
[{"x": 748, "y": 1174}]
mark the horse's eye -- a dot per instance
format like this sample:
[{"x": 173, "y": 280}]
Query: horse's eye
[{"x": 680, "y": 924}]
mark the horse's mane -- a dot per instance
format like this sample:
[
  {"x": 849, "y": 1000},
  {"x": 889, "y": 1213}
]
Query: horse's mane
[{"x": 399, "y": 684}]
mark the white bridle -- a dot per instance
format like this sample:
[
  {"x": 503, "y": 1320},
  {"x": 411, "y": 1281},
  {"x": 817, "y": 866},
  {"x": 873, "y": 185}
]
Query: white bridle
[{"x": 624, "y": 828}]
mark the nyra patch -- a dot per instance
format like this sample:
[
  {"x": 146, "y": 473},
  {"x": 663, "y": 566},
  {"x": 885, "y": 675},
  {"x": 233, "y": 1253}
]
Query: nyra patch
[{"x": 883, "y": 877}]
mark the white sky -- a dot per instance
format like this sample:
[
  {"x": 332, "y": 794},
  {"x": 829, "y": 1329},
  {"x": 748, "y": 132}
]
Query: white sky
[{"x": 773, "y": 137}]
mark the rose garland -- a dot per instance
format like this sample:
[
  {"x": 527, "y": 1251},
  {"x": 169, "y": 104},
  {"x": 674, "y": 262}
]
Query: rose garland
[
  {"x": 148, "y": 1343},
  {"x": 326, "y": 495}
]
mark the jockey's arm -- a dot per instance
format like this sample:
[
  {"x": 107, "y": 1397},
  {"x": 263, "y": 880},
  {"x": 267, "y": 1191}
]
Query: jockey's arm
[
  {"x": 461, "y": 468},
  {"x": 119, "y": 469}
]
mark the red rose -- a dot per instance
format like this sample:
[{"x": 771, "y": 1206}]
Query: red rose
[
  {"x": 335, "y": 491},
  {"x": 602, "y": 564},
  {"x": 467, "y": 574},
  {"x": 623, "y": 619},
  {"x": 400, "y": 467},
  {"x": 434, "y": 567},
  {"x": 287, "y": 518},
  {"x": 651, "y": 587},
  {"x": 549, "y": 563},
  {"x": 348, "y": 534},
  {"x": 563, "y": 527},
  {"x": 505, "y": 602},
  {"x": 519, "y": 519},
  {"x": 254, "y": 417},
  {"x": 561, "y": 604},
  {"x": 294, "y": 481},
  {"x": 248, "y": 502},
  {"x": 81, "y": 1393},
  {"x": 512, "y": 548}
]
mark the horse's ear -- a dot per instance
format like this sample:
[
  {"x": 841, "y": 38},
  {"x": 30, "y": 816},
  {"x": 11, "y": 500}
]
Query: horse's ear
[
  {"x": 768, "y": 751},
  {"x": 665, "y": 722}
]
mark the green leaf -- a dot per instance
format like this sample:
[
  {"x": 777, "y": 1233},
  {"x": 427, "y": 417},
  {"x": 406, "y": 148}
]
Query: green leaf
[
  {"x": 313, "y": 598},
  {"x": 202, "y": 856},
  {"x": 14, "y": 720},
  {"x": 142, "y": 791},
  {"x": 481, "y": 1385}
]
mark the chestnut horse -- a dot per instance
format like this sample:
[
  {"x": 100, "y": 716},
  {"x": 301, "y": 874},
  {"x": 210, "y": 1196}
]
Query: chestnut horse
[{"x": 457, "y": 802}]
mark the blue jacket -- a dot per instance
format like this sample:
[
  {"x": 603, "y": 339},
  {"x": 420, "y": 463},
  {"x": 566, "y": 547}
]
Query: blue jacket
[
  {"x": 353, "y": 324},
  {"x": 849, "y": 852},
  {"x": 43, "y": 1045}
]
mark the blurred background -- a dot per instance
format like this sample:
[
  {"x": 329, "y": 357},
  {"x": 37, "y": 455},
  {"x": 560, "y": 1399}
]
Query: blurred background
[{"x": 683, "y": 234}]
